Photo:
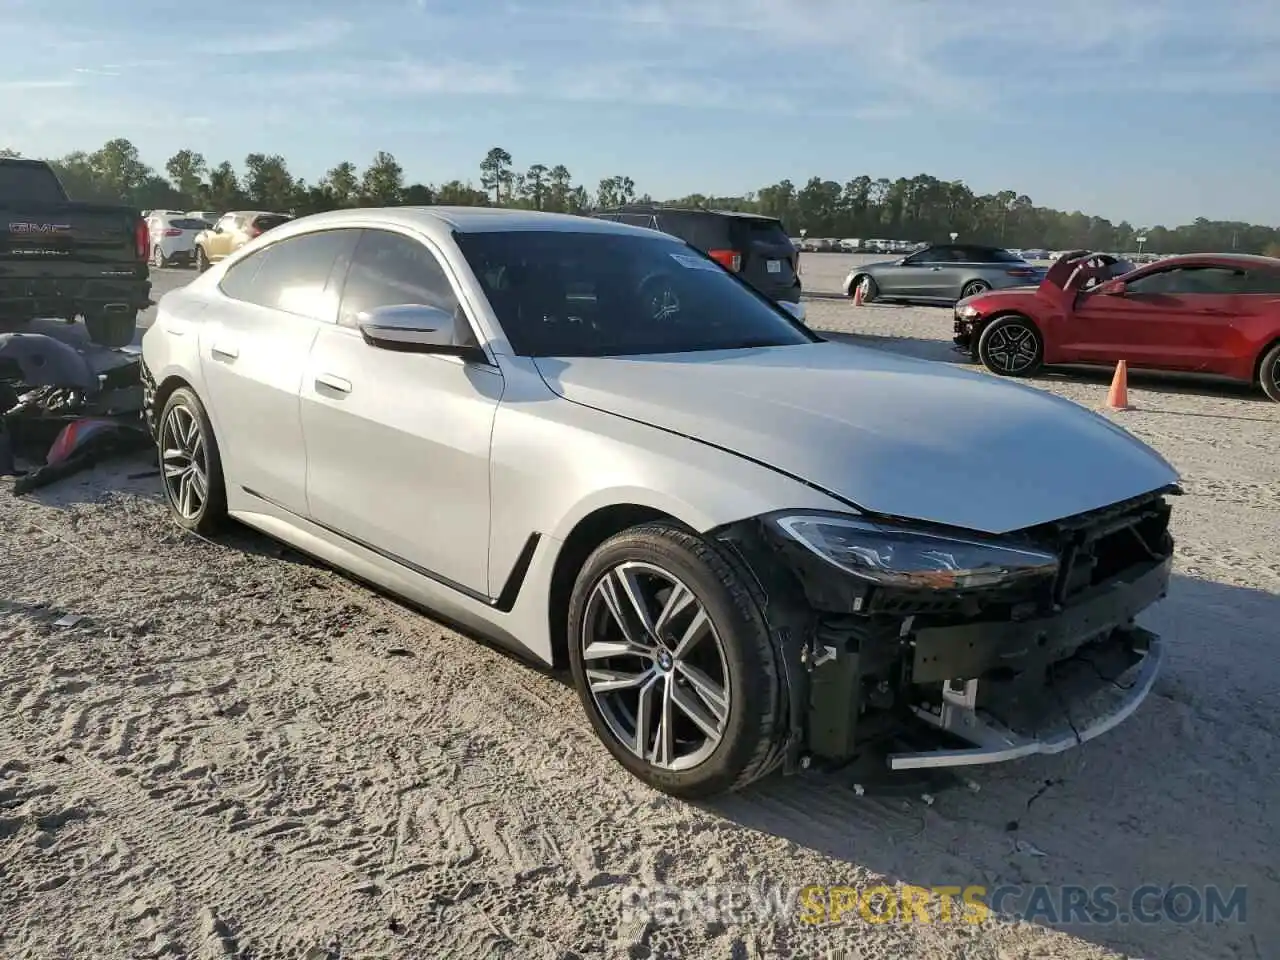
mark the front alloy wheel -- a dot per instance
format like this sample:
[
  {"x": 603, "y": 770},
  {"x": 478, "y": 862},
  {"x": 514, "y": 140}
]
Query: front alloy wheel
[
  {"x": 1011, "y": 347},
  {"x": 191, "y": 469},
  {"x": 655, "y": 666},
  {"x": 674, "y": 664}
]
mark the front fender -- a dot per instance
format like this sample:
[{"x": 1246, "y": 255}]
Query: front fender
[{"x": 554, "y": 462}]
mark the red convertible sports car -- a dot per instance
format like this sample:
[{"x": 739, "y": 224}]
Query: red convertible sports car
[{"x": 1215, "y": 314}]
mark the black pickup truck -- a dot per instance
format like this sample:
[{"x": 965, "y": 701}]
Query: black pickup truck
[{"x": 63, "y": 259}]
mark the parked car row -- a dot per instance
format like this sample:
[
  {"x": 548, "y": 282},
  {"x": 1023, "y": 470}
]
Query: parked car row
[{"x": 201, "y": 237}]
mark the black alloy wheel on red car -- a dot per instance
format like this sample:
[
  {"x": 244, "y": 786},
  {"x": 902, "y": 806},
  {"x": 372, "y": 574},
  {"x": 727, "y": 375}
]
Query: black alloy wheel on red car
[{"x": 1011, "y": 346}]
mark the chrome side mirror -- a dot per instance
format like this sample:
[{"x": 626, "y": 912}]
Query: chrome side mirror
[{"x": 415, "y": 328}]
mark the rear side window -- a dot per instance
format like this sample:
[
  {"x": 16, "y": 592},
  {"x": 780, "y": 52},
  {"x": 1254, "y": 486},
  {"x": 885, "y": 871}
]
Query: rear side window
[
  {"x": 987, "y": 255},
  {"x": 292, "y": 275},
  {"x": 706, "y": 231},
  {"x": 639, "y": 220},
  {"x": 389, "y": 269},
  {"x": 268, "y": 221},
  {"x": 754, "y": 230},
  {"x": 1263, "y": 281}
]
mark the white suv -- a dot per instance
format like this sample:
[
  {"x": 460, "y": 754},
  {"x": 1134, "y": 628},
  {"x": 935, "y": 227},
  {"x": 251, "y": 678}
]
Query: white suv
[{"x": 173, "y": 237}]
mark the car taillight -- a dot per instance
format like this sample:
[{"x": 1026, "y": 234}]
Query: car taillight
[
  {"x": 172, "y": 232},
  {"x": 729, "y": 259},
  {"x": 142, "y": 239}
]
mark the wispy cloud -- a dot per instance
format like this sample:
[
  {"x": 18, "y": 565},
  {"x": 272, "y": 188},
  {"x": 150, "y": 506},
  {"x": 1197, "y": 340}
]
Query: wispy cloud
[
  {"x": 36, "y": 84},
  {"x": 313, "y": 35}
]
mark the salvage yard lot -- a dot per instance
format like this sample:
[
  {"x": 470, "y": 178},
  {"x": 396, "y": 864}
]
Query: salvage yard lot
[{"x": 236, "y": 753}]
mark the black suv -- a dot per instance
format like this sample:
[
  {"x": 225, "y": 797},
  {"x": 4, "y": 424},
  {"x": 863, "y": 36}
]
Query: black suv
[{"x": 754, "y": 247}]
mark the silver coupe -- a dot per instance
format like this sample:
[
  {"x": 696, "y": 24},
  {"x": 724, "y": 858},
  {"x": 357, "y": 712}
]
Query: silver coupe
[
  {"x": 942, "y": 273},
  {"x": 753, "y": 548}
]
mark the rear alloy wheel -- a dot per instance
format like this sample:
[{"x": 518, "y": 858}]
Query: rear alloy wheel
[
  {"x": 674, "y": 664},
  {"x": 157, "y": 257},
  {"x": 190, "y": 466},
  {"x": 1011, "y": 347},
  {"x": 1269, "y": 373},
  {"x": 973, "y": 288}
]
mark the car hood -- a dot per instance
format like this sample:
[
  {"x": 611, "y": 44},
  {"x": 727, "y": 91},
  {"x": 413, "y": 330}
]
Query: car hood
[
  {"x": 877, "y": 264},
  {"x": 999, "y": 294},
  {"x": 908, "y": 438}
]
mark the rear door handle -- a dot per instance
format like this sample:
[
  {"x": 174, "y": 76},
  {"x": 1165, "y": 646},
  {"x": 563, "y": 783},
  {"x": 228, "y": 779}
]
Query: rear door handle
[
  {"x": 331, "y": 382},
  {"x": 224, "y": 353}
]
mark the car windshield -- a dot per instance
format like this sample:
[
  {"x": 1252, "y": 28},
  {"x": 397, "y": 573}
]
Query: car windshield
[{"x": 590, "y": 294}]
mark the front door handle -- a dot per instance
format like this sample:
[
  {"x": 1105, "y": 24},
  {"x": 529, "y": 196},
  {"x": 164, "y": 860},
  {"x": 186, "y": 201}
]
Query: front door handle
[
  {"x": 224, "y": 352},
  {"x": 330, "y": 382}
]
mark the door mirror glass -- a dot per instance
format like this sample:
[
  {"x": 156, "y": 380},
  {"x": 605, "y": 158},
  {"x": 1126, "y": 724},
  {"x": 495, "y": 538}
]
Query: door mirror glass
[{"x": 415, "y": 328}]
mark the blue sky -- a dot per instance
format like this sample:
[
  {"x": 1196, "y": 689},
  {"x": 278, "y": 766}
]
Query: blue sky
[{"x": 1146, "y": 110}]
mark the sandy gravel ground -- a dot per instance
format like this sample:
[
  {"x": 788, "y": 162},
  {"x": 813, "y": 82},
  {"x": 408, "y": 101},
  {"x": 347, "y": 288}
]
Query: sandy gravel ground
[{"x": 237, "y": 754}]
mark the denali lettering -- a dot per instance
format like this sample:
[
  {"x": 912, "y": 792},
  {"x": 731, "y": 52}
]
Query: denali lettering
[{"x": 26, "y": 227}]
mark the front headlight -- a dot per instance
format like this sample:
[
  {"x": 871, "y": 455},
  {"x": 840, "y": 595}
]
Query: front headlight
[
  {"x": 966, "y": 311},
  {"x": 895, "y": 556}
]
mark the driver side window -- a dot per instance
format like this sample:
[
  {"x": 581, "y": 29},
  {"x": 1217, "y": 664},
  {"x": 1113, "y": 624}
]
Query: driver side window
[
  {"x": 931, "y": 255},
  {"x": 391, "y": 269},
  {"x": 1178, "y": 281}
]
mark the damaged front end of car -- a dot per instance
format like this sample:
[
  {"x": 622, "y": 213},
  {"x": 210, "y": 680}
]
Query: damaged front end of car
[{"x": 936, "y": 648}]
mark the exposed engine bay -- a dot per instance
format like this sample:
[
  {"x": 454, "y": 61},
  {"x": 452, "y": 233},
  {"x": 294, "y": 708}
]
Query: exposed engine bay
[{"x": 945, "y": 673}]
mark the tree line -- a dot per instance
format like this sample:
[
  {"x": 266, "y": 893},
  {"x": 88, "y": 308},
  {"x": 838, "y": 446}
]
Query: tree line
[{"x": 908, "y": 208}]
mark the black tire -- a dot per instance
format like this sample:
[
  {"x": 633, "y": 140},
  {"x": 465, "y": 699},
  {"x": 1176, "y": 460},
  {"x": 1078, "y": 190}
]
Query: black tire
[
  {"x": 202, "y": 260},
  {"x": 869, "y": 289},
  {"x": 1011, "y": 346},
  {"x": 158, "y": 258},
  {"x": 755, "y": 717},
  {"x": 114, "y": 330},
  {"x": 973, "y": 288},
  {"x": 212, "y": 511},
  {"x": 1269, "y": 373}
]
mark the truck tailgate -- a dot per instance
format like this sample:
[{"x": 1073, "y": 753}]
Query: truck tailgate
[{"x": 98, "y": 238}]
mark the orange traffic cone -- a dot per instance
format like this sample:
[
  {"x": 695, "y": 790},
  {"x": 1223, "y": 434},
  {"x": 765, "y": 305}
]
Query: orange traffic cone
[
  {"x": 857, "y": 295},
  {"x": 1118, "y": 395}
]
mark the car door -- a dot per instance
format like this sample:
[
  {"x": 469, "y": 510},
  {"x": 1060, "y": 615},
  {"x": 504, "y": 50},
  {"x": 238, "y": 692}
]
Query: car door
[
  {"x": 218, "y": 244},
  {"x": 1174, "y": 318},
  {"x": 917, "y": 275},
  {"x": 398, "y": 443},
  {"x": 255, "y": 343}
]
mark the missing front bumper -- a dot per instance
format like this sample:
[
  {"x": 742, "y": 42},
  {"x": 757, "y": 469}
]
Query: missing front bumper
[{"x": 1079, "y": 718}]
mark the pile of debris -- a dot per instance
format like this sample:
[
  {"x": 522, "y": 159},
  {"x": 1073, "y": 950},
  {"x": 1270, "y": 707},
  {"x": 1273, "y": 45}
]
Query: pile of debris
[{"x": 65, "y": 404}]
